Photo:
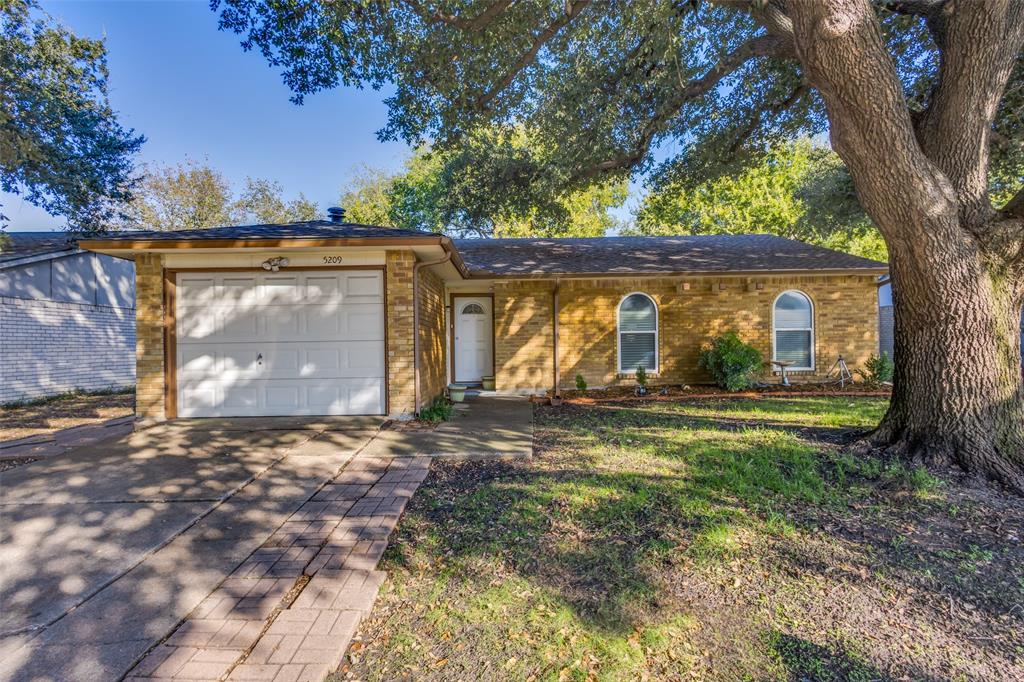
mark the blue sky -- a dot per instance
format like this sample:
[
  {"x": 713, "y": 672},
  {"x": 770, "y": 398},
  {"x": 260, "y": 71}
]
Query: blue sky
[{"x": 195, "y": 94}]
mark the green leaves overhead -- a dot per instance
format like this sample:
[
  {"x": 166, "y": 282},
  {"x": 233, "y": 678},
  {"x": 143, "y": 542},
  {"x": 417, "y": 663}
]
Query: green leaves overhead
[
  {"x": 596, "y": 84},
  {"x": 194, "y": 195},
  {"x": 672, "y": 90},
  {"x": 464, "y": 192},
  {"x": 61, "y": 147},
  {"x": 797, "y": 190}
]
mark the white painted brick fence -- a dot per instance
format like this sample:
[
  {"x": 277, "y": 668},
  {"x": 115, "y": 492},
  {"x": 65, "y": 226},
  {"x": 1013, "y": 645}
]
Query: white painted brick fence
[{"x": 49, "y": 347}]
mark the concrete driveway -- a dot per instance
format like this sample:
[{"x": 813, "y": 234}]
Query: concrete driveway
[{"x": 103, "y": 550}]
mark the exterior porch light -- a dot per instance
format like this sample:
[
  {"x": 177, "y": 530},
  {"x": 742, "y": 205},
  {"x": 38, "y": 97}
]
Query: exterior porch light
[{"x": 275, "y": 264}]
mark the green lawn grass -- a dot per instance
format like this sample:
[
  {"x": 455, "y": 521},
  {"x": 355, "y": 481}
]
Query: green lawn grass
[{"x": 672, "y": 540}]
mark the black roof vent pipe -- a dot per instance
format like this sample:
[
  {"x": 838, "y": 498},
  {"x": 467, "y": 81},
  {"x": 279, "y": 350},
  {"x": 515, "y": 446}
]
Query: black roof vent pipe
[{"x": 336, "y": 214}]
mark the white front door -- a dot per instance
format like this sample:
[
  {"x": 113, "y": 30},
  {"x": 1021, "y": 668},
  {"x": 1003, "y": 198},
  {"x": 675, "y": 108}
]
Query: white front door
[
  {"x": 284, "y": 343},
  {"x": 474, "y": 338}
]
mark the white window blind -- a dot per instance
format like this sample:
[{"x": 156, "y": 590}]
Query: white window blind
[
  {"x": 638, "y": 334},
  {"x": 793, "y": 321}
]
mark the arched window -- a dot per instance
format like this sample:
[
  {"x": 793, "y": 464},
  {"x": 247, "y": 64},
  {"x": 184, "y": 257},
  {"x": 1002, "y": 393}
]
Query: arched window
[
  {"x": 638, "y": 334},
  {"x": 473, "y": 309},
  {"x": 793, "y": 330}
]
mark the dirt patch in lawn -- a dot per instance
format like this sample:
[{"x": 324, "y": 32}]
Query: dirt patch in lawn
[
  {"x": 654, "y": 543},
  {"x": 63, "y": 412}
]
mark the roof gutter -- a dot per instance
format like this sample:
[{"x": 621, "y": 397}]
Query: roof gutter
[
  {"x": 28, "y": 260},
  {"x": 552, "y": 276},
  {"x": 416, "y": 322}
]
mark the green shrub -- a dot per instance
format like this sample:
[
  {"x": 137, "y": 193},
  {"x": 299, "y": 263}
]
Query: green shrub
[
  {"x": 581, "y": 383},
  {"x": 731, "y": 363},
  {"x": 641, "y": 377},
  {"x": 876, "y": 370},
  {"x": 438, "y": 411}
]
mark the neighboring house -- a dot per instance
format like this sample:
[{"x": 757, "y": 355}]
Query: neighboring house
[
  {"x": 67, "y": 317},
  {"x": 328, "y": 317}
]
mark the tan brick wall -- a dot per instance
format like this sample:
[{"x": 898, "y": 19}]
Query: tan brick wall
[
  {"x": 845, "y": 316},
  {"x": 523, "y": 336},
  {"x": 149, "y": 336},
  {"x": 401, "y": 391},
  {"x": 432, "y": 337}
]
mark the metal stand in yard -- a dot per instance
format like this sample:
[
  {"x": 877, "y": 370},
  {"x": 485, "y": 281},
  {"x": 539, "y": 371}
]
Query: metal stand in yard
[{"x": 841, "y": 371}]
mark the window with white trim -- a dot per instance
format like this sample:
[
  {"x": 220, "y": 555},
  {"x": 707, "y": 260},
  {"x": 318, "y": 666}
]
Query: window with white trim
[
  {"x": 793, "y": 330},
  {"x": 638, "y": 334}
]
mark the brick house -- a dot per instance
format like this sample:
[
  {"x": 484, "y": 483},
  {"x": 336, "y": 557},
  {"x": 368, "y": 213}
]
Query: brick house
[
  {"x": 330, "y": 317},
  {"x": 67, "y": 317}
]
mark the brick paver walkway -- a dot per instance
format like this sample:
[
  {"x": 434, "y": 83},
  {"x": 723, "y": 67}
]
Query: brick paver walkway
[{"x": 289, "y": 611}]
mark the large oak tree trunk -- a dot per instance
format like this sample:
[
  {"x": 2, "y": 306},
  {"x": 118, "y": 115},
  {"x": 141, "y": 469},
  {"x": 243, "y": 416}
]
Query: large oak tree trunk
[
  {"x": 957, "y": 392},
  {"x": 955, "y": 263}
]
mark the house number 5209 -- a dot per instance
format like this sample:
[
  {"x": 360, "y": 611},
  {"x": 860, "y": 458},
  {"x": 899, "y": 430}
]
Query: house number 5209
[{"x": 332, "y": 260}]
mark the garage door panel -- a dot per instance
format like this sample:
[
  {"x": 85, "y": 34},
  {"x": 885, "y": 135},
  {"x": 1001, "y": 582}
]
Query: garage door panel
[
  {"x": 238, "y": 290},
  {"x": 280, "y": 361},
  {"x": 196, "y": 290},
  {"x": 276, "y": 397},
  {"x": 303, "y": 343},
  {"x": 354, "y": 322},
  {"x": 280, "y": 290},
  {"x": 240, "y": 396},
  {"x": 365, "y": 288}
]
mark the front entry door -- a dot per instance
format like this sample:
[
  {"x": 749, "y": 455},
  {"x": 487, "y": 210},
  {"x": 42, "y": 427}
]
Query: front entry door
[{"x": 474, "y": 339}]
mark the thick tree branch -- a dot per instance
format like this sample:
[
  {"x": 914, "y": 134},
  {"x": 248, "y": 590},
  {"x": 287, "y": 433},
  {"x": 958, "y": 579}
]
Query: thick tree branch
[
  {"x": 771, "y": 14},
  {"x": 774, "y": 110},
  {"x": 1015, "y": 206},
  {"x": 981, "y": 43},
  {"x": 473, "y": 25},
  {"x": 761, "y": 46},
  {"x": 572, "y": 10}
]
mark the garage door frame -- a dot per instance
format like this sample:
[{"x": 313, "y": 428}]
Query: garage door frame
[{"x": 171, "y": 327}]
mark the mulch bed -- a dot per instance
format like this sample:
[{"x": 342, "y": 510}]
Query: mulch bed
[{"x": 674, "y": 393}]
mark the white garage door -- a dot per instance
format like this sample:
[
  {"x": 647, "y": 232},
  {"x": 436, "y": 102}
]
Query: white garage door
[{"x": 283, "y": 343}]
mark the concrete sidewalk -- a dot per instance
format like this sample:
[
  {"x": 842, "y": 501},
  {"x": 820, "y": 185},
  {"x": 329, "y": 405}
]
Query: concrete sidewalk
[{"x": 483, "y": 426}]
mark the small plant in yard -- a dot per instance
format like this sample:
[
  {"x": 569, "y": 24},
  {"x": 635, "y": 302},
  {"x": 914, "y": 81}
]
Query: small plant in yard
[
  {"x": 731, "y": 363},
  {"x": 641, "y": 380},
  {"x": 440, "y": 410},
  {"x": 581, "y": 383},
  {"x": 877, "y": 370}
]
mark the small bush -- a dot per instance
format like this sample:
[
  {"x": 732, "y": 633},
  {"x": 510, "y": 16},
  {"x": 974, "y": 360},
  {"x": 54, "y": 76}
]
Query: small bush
[
  {"x": 731, "y": 363},
  {"x": 641, "y": 377},
  {"x": 581, "y": 383},
  {"x": 438, "y": 411},
  {"x": 876, "y": 370}
]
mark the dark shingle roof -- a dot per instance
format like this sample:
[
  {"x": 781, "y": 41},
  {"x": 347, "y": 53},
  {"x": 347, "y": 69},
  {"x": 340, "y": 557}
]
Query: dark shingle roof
[
  {"x": 311, "y": 229},
  {"x": 647, "y": 255},
  {"x": 17, "y": 245},
  {"x": 545, "y": 257}
]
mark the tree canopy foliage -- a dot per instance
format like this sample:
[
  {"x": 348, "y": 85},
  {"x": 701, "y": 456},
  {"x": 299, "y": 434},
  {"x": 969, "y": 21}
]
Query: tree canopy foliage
[
  {"x": 598, "y": 85},
  {"x": 61, "y": 146},
  {"x": 797, "y": 190},
  {"x": 444, "y": 191},
  {"x": 194, "y": 195}
]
